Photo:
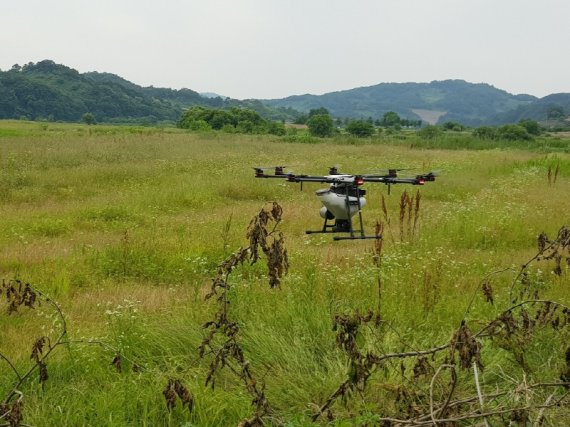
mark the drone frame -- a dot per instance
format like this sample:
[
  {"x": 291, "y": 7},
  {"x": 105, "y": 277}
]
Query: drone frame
[{"x": 351, "y": 184}]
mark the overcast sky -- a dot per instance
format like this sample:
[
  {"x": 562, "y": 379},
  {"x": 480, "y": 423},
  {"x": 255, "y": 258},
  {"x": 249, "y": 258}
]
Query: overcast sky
[{"x": 276, "y": 48}]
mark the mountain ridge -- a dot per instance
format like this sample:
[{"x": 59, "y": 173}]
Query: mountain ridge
[
  {"x": 468, "y": 103},
  {"x": 46, "y": 90}
]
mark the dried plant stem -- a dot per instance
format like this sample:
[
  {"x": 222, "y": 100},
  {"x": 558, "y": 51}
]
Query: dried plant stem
[
  {"x": 431, "y": 385},
  {"x": 403, "y": 205},
  {"x": 540, "y": 418},
  {"x": 479, "y": 394},
  {"x": 221, "y": 340},
  {"x": 416, "y": 212},
  {"x": 547, "y": 249},
  {"x": 38, "y": 356},
  {"x": 463, "y": 342}
]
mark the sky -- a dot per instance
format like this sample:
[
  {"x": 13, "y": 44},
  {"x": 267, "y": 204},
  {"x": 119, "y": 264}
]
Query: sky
[{"x": 276, "y": 48}]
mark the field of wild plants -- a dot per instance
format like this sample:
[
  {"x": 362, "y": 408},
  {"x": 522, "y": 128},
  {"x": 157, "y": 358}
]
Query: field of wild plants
[{"x": 149, "y": 279}]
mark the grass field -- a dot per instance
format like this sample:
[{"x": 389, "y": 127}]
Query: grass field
[{"x": 125, "y": 227}]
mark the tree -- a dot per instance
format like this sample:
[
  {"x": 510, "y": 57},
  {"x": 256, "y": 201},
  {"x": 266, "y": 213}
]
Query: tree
[
  {"x": 88, "y": 118},
  {"x": 276, "y": 128},
  {"x": 531, "y": 126},
  {"x": 318, "y": 112},
  {"x": 390, "y": 119},
  {"x": 301, "y": 119},
  {"x": 320, "y": 125},
  {"x": 513, "y": 133},
  {"x": 360, "y": 128},
  {"x": 458, "y": 127},
  {"x": 554, "y": 112}
]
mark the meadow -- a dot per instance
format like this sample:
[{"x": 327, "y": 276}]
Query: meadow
[{"x": 124, "y": 229}]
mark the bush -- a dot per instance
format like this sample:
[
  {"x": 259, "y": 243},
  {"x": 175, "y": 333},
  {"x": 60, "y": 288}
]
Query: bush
[
  {"x": 199, "y": 126},
  {"x": 228, "y": 129},
  {"x": 430, "y": 132},
  {"x": 485, "y": 132},
  {"x": 513, "y": 133},
  {"x": 531, "y": 126},
  {"x": 360, "y": 128},
  {"x": 234, "y": 120},
  {"x": 276, "y": 128},
  {"x": 454, "y": 126}
]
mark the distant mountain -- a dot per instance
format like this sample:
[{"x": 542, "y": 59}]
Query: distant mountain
[
  {"x": 555, "y": 106},
  {"x": 46, "y": 90},
  {"x": 211, "y": 95},
  {"x": 448, "y": 100}
]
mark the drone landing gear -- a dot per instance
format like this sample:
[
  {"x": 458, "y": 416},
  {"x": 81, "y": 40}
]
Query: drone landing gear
[{"x": 343, "y": 226}]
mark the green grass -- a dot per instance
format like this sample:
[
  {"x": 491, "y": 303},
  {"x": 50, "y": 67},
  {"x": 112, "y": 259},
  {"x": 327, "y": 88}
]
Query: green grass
[{"x": 125, "y": 226}]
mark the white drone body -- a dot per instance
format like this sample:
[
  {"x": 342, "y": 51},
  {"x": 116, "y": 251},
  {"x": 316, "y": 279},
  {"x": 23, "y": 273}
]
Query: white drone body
[{"x": 336, "y": 203}]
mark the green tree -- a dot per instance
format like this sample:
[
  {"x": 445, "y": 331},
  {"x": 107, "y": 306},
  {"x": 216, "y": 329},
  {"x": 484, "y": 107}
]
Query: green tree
[
  {"x": 88, "y": 118},
  {"x": 301, "y": 119},
  {"x": 453, "y": 126},
  {"x": 320, "y": 125},
  {"x": 276, "y": 128},
  {"x": 360, "y": 128},
  {"x": 554, "y": 112},
  {"x": 318, "y": 112},
  {"x": 390, "y": 119},
  {"x": 531, "y": 126},
  {"x": 513, "y": 133}
]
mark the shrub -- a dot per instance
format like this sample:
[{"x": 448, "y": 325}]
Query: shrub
[
  {"x": 485, "y": 132},
  {"x": 513, "y": 133},
  {"x": 531, "y": 126},
  {"x": 430, "y": 132},
  {"x": 360, "y": 128},
  {"x": 199, "y": 126},
  {"x": 457, "y": 127},
  {"x": 276, "y": 128}
]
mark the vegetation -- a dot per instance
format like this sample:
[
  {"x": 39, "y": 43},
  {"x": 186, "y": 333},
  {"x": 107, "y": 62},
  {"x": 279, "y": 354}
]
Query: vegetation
[
  {"x": 53, "y": 92},
  {"x": 360, "y": 128},
  {"x": 430, "y": 132},
  {"x": 462, "y": 102},
  {"x": 459, "y": 313},
  {"x": 234, "y": 120},
  {"x": 88, "y": 119},
  {"x": 320, "y": 125},
  {"x": 507, "y": 132}
]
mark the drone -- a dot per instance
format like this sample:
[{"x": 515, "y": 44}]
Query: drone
[{"x": 344, "y": 198}]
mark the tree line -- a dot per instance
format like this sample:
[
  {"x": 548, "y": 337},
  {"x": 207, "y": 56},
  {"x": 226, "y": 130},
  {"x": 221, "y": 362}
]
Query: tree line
[{"x": 232, "y": 120}]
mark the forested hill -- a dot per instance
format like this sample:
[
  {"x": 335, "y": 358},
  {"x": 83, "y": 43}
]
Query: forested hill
[
  {"x": 46, "y": 90},
  {"x": 449, "y": 100}
]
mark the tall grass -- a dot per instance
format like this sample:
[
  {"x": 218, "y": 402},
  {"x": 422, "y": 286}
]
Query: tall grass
[{"x": 125, "y": 227}]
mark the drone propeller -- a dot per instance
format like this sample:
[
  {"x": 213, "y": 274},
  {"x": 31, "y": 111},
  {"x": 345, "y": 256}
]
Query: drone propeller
[
  {"x": 429, "y": 176},
  {"x": 278, "y": 172},
  {"x": 383, "y": 173}
]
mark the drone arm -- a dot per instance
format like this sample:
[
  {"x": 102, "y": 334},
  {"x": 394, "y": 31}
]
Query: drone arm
[
  {"x": 309, "y": 178},
  {"x": 418, "y": 180},
  {"x": 263, "y": 175}
]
